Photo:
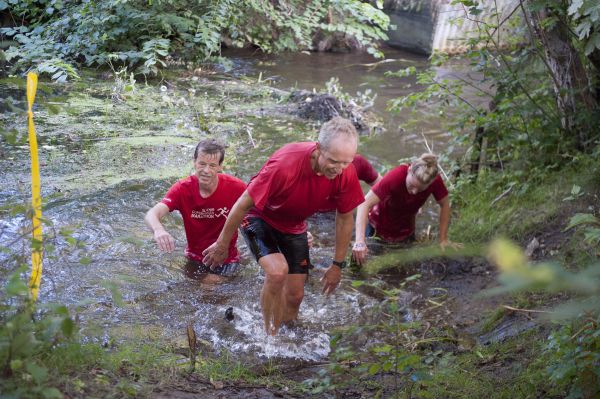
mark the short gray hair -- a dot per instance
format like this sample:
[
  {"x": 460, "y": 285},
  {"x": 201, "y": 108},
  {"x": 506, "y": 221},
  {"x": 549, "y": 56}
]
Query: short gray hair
[{"x": 334, "y": 128}]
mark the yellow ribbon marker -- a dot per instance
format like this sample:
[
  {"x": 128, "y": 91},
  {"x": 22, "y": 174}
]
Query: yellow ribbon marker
[{"x": 36, "y": 198}]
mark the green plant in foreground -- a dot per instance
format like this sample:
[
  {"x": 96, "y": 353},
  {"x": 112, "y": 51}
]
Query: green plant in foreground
[
  {"x": 388, "y": 361},
  {"x": 26, "y": 334},
  {"x": 574, "y": 350},
  {"x": 575, "y": 354}
]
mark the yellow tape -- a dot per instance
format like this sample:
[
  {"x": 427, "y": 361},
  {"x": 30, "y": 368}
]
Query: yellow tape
[{"x": 36, "y": 199}]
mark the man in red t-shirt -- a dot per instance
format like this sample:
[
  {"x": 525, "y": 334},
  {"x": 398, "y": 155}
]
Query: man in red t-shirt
[
  {"x": 392, "y": 205},
  {"x": 204, "y": 200},
  {"x": 297, "y": 181}
]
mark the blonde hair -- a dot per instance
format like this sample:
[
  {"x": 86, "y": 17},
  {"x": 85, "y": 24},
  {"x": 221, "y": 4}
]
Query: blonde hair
[
  {"x": 425, "y": 169},
  {"x": 336, "y": 127}
]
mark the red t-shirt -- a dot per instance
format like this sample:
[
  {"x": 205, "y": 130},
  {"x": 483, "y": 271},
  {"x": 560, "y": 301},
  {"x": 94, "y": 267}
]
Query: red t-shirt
[
  {"x": 287, "y": 190},
  {"x": 364, "y": 170},
  {"x": 203, "y": 218},
  {"x": 394, "y": 216}
]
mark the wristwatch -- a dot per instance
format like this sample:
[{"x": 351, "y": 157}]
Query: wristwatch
[{"x": 341, "y": 264}]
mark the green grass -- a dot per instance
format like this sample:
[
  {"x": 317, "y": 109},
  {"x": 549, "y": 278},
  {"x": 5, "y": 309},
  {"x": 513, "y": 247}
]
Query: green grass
[
  {"x": 514, "y": 368},
  {"x": 482, "y": 212}
]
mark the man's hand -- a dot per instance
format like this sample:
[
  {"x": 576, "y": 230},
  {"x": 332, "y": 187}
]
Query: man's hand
[
  {"x": 447, "y": 243},
  {"x": 215, "y": 255},
  {"x": 331, "y": 279},
  {"x": 164, "y": 240},
  {"x": 359, "y": 252}
]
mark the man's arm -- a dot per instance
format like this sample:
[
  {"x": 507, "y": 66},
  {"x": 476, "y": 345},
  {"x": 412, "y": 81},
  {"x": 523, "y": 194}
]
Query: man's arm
[
  {"x": 344, "y": 223},
  {"x": 215, "y": 254},
  {"x": 163, "y": 239},
  {"x": 360, "y": 250}
]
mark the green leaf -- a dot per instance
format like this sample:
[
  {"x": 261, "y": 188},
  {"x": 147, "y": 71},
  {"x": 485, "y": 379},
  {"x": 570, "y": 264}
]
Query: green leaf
[
  {"x": 581, "y": 218},
  {"x": 383, "y": 348},
  {"x": 86, "y": 260},
  {"x": 115, "y": 292},
  {"x": 387, "y": 366},
  {"x": 67, "y": 327},
  {"x": 16, "y": 364},
  {"x": 23, "y": 344},
  {"x": 53, "y": 109},
  {"x": 39, "y": 374},
  {"x": 52, "y": 393},
  {"x": 575, "y": 6},
  {"x": 592, "y": 236},
  {"x": 374, "y": 369},
  {"x": 593, "y": 43},
  {"x": 16, "y": 286},
  {"x": 10, "y": 136}
]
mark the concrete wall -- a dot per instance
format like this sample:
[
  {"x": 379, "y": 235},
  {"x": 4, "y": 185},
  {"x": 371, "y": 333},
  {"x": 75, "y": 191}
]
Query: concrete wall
[
  {"x": 414, "y": 24},
  {"x": 424, "y": 26},
  {"x": 453, "y": 27}
]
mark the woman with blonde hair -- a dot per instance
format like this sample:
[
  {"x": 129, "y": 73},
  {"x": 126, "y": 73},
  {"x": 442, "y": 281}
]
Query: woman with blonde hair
[{"x": 391, "y": 206}]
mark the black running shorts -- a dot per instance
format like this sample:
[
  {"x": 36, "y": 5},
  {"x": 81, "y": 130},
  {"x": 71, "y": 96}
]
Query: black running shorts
[{"x": 263, "y": 240}]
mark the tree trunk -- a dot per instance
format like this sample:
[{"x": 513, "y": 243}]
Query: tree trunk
[{"x": 571, "y": 87}]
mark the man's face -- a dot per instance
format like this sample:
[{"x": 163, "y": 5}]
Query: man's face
[
  {"x": 414, "y": 185},
  {"x": 207, "y": 167},
  {"x": 332, "y": 161}
]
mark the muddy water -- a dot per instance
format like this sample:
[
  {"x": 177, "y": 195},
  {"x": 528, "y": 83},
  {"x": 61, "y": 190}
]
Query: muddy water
[
  {"x": 109, "y": 155},
  {"x": 357, "y": 74}
]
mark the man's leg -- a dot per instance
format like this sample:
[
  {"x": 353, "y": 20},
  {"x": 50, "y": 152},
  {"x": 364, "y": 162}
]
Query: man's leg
[
  {"x": 293, "y": 294},
  {"x": 296, "y": 252},
  {"x": 271, "y": 297}
]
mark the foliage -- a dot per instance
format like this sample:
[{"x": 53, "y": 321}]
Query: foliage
[
  {"x": 575, "y": 348},
  {"x": 592, "y": 223},
  {"x": 363, "y": 100},
  {"x": 502, "y": 106},
  {"x": 586, "y": 15},
  {"x": 27, "y": 334},
  {"x": 57, "y": 36},
  {"x": 512, "y": 205},
  {"x": 389, "y": 351},
  {"x": 575, "y": 351}
]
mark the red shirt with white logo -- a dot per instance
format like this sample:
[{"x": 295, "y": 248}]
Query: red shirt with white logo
[
  {"x": 203, "y": 218},
  {"x": 287, "y": 190},
  {"x": 394, "y": 216}
]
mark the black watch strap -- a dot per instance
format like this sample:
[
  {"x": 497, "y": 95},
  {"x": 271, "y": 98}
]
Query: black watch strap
[{"x": 341, "y": 264}]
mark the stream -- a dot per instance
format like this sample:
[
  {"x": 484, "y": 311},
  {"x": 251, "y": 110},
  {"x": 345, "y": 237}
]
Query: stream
[{"x": 112, "y": 152}]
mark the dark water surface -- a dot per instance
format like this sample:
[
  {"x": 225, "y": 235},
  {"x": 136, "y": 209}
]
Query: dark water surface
[
  {"x": 106, "y": 158},
  {"x": 357, "y": 73}
]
